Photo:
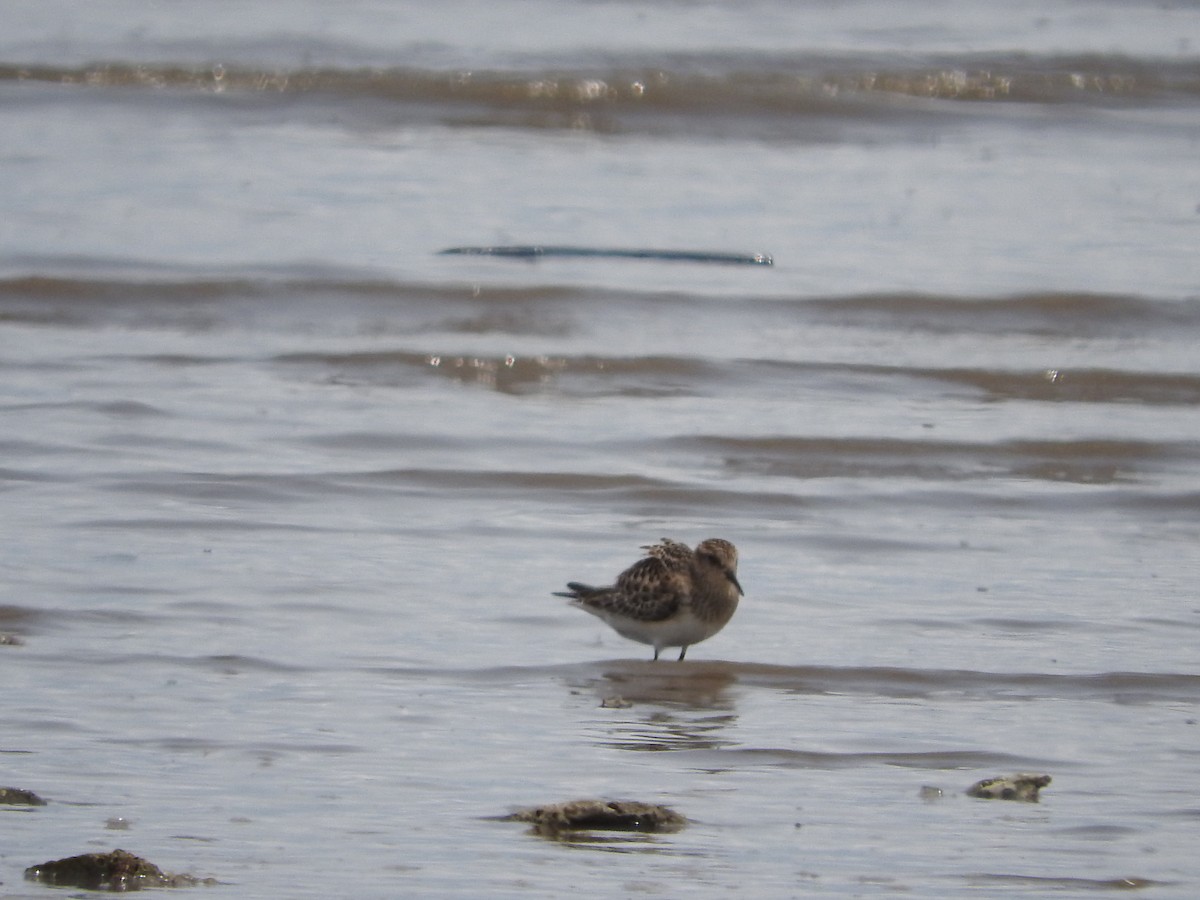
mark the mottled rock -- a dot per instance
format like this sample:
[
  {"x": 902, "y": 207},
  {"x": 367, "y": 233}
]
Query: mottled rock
[
  {"x": 1022, "y": 786},
  {"x": 115, "y": 871},
  {"x": 600, "y": 815},
  {"x": 18, "y": 797},
  {"x": 10, "y": 640}
]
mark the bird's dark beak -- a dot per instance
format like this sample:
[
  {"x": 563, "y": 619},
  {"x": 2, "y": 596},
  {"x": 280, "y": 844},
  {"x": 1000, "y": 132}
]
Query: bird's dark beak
[{"x": 733, "y": 578}]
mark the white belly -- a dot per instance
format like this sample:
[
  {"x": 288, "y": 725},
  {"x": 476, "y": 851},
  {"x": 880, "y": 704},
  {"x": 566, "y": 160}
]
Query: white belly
[{"x": 681, "y": 631}]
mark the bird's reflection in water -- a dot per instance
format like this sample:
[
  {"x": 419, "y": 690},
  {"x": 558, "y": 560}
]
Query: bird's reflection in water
[{"x": 665, "y": 707}]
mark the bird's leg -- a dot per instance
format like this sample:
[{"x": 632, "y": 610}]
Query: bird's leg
[
  {"x": 656, "y": 654},
  {"x": 682, "y": 650}
]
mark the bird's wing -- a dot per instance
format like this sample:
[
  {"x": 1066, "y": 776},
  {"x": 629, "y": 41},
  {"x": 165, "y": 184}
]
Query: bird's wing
[
  {"x": 675, "y": 556},
  {"x": 650, "y": 590}
]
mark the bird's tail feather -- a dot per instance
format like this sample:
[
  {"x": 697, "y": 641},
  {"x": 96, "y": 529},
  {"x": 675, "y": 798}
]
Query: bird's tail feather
[{"x": 576, "y": 591}]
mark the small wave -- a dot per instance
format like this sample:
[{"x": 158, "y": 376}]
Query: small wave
[
  {"x": 1056, "y": 884},
  {"x": 226, "y": 664},
  {"x": 682, "y": 82},
  {"x": 430, "y": 317},
  {"x": 679, "y": 683},
  {"x": 938, "y": 760},
  {"x": 644, "y": 376},
  {"x": 656, "y": 376},
  {"x": 13, "y": 616},
  {"x": 1080, "y": 461},
  {"x": 270, "y": 491},
  {"x": 1115, "y": 687},
  {"x": 763, "y": 95},
  {"x": 25, "y": 620},
  {"x": 45, "y": 298},
  {"x": 166, "y": 524},
  {"x": 1078, "y": 385},
  {"x": 1045, "y": 314},
  {"x": 205, "y": 746}
]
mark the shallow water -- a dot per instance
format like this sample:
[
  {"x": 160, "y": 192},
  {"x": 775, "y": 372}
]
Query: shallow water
[{"x": 286, "y": 492}]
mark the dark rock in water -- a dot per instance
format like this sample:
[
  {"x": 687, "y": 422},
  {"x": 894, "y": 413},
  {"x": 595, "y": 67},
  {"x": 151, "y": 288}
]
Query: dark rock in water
[
  {"x": 115, "y": 871},
  {"x": 17, "y": 797},
  {"x": 600, "y": 815},
  {"x": 1022, "y": 786}
]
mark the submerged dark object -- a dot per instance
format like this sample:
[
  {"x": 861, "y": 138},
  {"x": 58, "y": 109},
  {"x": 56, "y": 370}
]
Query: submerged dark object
[
  {"x": 11, "y": 796},
  {"x": 538, "y": 251},
  {"x": 115, "y": 871},
  {"x": 1022, "y": 786},
  {"x": 600, "y": 815}
]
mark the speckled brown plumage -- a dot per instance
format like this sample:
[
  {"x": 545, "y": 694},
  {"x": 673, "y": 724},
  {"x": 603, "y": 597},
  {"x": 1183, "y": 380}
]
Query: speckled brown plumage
[{"x": 672, "y": 597}]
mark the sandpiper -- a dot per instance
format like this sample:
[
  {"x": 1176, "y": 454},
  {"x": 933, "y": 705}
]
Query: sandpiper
[{"x": 672, "y": 597}]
